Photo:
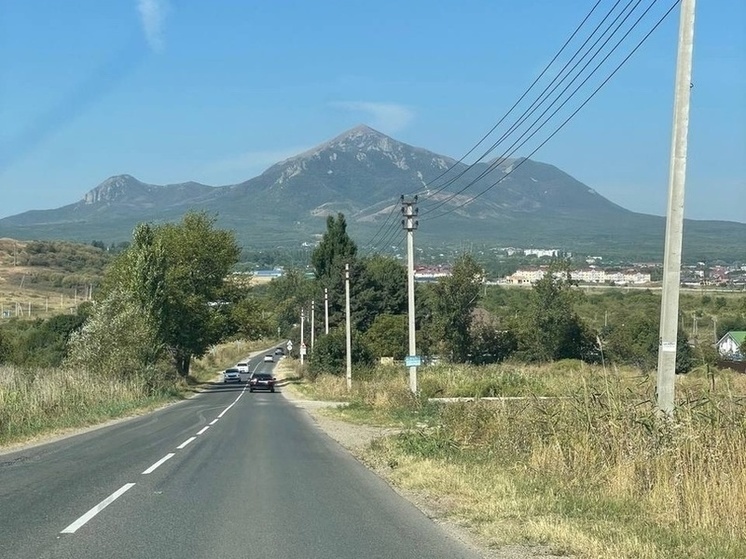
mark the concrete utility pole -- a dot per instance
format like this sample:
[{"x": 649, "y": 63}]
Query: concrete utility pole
[
  {"x": 675, "y": 214},
  {"x": 302, "y": 338},
  {"x": 409, "y": 211},
  {"x": 313, "y": 326},
  {"x": 348, "y": 328},
  {"x": 326, "y": 310}
]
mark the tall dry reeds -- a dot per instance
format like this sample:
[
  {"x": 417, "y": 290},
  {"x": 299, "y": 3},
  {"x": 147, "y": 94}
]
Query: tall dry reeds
[
  {"x": 594, "y": 468},
  {"x": 35, "y": 401}
]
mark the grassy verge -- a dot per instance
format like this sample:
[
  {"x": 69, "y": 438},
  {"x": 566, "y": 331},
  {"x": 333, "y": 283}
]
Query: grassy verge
[
  {"x": 594, "y": 472},
  {"x": 36, "y": 402}
]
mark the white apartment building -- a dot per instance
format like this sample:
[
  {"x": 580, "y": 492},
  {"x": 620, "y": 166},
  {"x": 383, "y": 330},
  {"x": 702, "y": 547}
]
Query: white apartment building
[{"x": 586, "y": 275}]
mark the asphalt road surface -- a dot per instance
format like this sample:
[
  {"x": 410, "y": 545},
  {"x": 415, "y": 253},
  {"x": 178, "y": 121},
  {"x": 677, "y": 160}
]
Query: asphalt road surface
[{"x": 227, "y": 474}]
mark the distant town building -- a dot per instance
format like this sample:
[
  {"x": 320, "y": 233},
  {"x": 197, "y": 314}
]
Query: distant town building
[
  {"x": 431, "y": 273},
  {"x": 527, "y": 276},
  {"x": 542, "y": 252}
]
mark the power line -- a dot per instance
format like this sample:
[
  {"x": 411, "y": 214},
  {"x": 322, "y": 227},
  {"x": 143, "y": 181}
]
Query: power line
[
  {"x": 371, "y": 244},
  {"x": 521, "y": 98},
  {"x": 518, "y": 143},
  {"x": 562, "y": 125},
  {"x": 510, "y": 110},
  {"x": 559, "y": 78},
  {"x": 393, "y": 229}
]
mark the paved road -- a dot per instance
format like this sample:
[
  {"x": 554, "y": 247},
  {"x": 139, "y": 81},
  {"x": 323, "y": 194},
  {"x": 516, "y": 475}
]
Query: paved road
[{"x": 229, "y": 474}]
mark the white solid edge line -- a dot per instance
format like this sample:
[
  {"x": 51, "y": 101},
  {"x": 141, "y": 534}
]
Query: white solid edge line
[
  {"x": 205, "y": 428},
  {"x": 161, "y": 461},
  {"x": 214, "y": 421},
  {"x": 97, "y": 509},
  {"x": 186, "y": 442}
]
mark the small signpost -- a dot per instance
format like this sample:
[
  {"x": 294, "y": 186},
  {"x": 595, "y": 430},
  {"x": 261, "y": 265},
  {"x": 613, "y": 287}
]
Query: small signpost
[
  {"x": 289, "y": 346},
  {"x": 302, "y": 349},
  {"x": 413, "y": 361}
]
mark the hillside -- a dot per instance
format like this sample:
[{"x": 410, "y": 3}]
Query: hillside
[
  {"x": 38, "y": 279},
  {"x": 362, "y": 173}
]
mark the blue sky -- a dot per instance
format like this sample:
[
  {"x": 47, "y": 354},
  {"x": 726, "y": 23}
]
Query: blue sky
[{"x": 170, "y": 91}]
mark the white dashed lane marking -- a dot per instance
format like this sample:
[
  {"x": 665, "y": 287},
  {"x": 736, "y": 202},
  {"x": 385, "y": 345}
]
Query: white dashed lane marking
[
  {"x": 97, "y": 509},
  {"x": 186, "y": 442},
  {"x": 161, "y": 461}
]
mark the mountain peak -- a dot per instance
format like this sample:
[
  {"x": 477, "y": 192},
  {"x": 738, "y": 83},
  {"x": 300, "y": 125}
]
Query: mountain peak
[
  {"x": 113, "y": 188},
  {"x": 361, "y": 130},
  {"x": 360, "y": 137}
]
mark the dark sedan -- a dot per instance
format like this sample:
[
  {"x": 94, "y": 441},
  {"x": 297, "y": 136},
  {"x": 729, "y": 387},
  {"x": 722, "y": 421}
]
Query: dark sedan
[{"x": 262, "y": 381}]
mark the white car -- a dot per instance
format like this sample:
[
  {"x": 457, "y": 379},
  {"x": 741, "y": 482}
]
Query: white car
[
  {"x": 242, "y": 367},
  {"x": 269, "y": 358},
  {"x": 231, "y": 375}
]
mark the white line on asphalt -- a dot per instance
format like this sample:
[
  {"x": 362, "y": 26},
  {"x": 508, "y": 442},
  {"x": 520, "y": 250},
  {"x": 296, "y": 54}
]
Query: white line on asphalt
[
  {"x": 205, "y": 428},
  {"x": 186, "y": 442},
  {"x": 222, "y": 413},
  {"x": 214, "y": 421},
  {"x": 97, "y": 509},
  {"x": 161, "y": 461}
]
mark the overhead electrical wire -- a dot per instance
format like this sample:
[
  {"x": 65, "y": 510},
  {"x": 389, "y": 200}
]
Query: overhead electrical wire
[
  {"x": 518, "y": 143},
  {"x": 499, "y": 122},
  {"x": 510, "y": 110},
  {"x": 559, "y": 78},
  {"x": 575, "y": 112},
  {"x": 372, "y": 243},
  {"x": 387, "y": 236}
]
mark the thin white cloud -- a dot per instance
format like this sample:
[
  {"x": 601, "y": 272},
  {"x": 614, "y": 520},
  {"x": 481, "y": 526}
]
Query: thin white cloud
[
  {"x": 386, "y": 117},
  {"x": 152, "y": 14}
]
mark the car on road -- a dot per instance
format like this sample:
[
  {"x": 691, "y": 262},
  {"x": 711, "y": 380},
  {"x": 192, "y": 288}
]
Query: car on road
[
  {"x": 262, "y": 381},
  {"x": 269, "y": 358},
  {"x": 279, "y": 351},
  {"x": 231, "y": 375},
  {"x": 242, "y": 367}
]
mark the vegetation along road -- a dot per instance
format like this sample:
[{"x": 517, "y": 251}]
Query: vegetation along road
[{"x": 225, "y": 474}]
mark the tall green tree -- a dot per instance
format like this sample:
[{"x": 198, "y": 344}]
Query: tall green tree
[
  {"x": 177, "y": 274},
  {"x": 550, "y": 329},
  {"x": 455, "y": 298},
  {"x": 198, "y": 258},
  {"x": 334, "y": 251},
  {"x": 328, "y": 259},
  {"x": 287, "y": 295},
  {"x": 388, "y": 336}
]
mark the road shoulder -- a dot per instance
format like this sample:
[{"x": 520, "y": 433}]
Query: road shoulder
[{"x": 356, "y": 438}]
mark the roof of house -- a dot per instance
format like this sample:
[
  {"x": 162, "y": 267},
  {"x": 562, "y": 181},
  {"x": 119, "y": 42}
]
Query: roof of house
[{"x": 739, "y": 336}]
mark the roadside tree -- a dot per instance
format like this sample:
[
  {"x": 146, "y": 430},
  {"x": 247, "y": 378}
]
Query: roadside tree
[
  {"x": 176, "y": 273},
  {"x": 550, "y": 329},
  {"x": 454, "y": 298}
]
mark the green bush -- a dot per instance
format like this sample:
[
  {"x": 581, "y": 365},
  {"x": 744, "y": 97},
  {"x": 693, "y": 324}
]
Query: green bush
[{"x": 330, "y": 355}]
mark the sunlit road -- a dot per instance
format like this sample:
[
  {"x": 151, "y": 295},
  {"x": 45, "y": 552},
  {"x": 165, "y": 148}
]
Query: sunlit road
[{"x": 225, "y": 474}]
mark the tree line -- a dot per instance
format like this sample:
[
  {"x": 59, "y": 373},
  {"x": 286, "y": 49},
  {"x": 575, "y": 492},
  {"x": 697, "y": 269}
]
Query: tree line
[{"x": 169, "y": 296}]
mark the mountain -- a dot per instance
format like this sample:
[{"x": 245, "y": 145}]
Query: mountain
[{"x": 362, "y": 173}]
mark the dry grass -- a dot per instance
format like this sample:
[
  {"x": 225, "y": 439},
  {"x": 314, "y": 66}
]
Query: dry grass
[
  {"x": 596, "y": 472},
  {"x": 34, "y": 402},
  {"x": 42, "y": 401},
  {"x": 20, "y": 297}
]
